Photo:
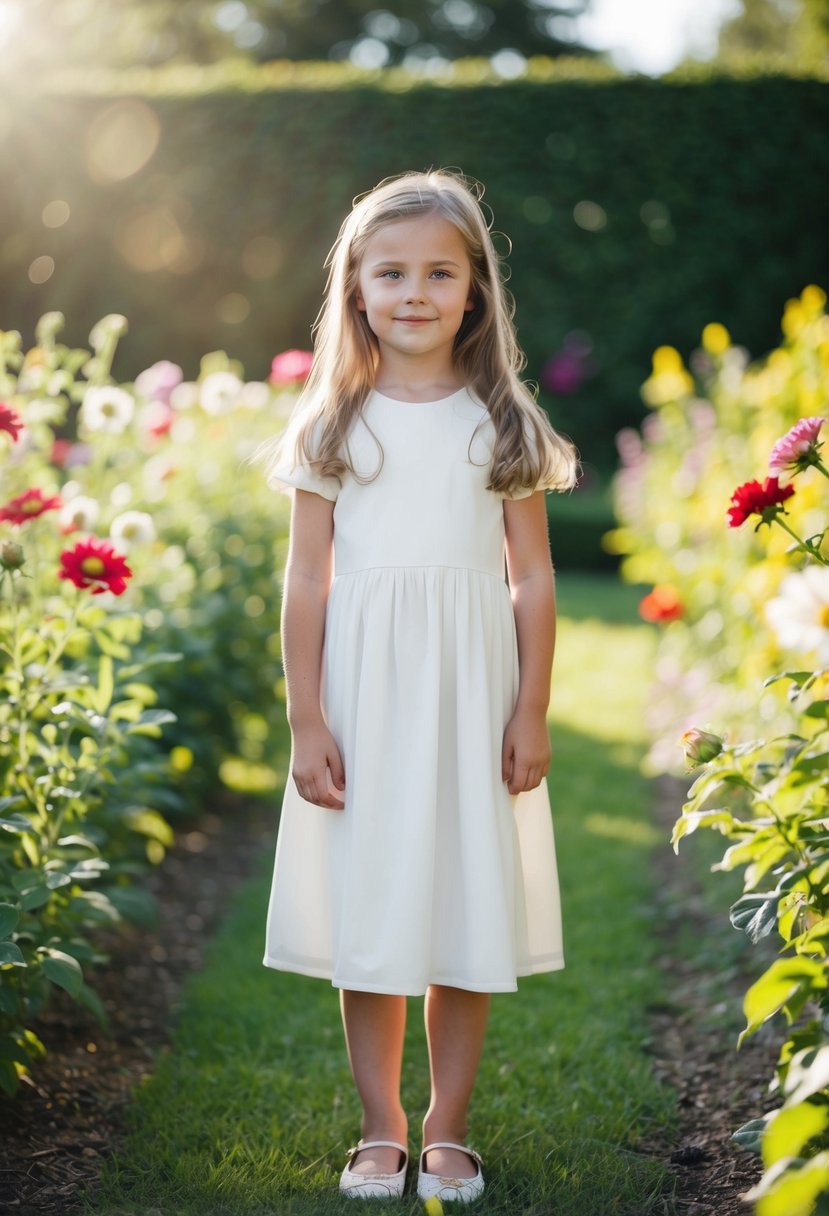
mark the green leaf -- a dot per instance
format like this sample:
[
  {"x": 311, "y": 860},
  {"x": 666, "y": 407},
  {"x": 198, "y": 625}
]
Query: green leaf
[
  {"x": 749, "y": 1136},
  {"x": 11, "y": 953},
  {"x": 777, "y": 988},
  {"x": 150, "y": 721},
  {"x": 791, "y": 1189},
  {"x": 77, "y": 841},
  {"x": 719, "y": 818},
  {"x": 95, "y": 908},
  {"x": 8, "y": 919},
  {"x": 9, "y": 1080},
  {"x": 755, "y": 914},
  {"x": 790, "y": 1129},
  {"x": 134, "y": 669},
  {"x": 18, "y": 824},
  {"x": 134, "y": 904},
  {"x": 149, "y": 823},
  {"x": 62, "y": 969},
  {"x": 89, "y": 997},
  {"x": 88, "y": 867},
  {"x": 117, "y": 650},
  {"x": 102, "y": 696},
  {"x": 9, "y": 1001},
  {"x": 808, "y": 1074},
  {"x": 798, "y": 677},
  {"x": 13, "y": 800},
  {"x": 35, "y": 897},
  {"x": 12, "y": 1049}
]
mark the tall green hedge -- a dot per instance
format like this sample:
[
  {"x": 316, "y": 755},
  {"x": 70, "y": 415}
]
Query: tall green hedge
[{"x": 708, "y": 202}]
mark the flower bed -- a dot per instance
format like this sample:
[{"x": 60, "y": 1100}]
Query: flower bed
[
  {"x": 735, "y": 611},
  {"x": 139, "y": 647}
]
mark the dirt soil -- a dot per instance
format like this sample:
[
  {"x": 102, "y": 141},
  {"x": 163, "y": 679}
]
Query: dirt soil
[
  {"x": 71, "y": 1116},
  {"x": 693, "y": 1038}
]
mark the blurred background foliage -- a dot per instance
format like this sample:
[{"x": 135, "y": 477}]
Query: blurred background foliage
[
  {"x": 203, "y": 206},
  {"x": 168, "y": 167},
  {"x": 711, "y": 428},
  {"x": 154, "y": 32}
]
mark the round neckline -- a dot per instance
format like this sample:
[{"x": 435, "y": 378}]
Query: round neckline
[{"x": 437, "y": 401}]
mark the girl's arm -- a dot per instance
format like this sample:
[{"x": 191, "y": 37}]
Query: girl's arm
[
  {"x": 526, "y": 750},
  {"x": 307, "y": 581}
]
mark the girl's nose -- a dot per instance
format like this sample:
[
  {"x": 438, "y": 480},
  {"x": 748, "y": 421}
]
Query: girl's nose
[{"x": 415, "y": 293}]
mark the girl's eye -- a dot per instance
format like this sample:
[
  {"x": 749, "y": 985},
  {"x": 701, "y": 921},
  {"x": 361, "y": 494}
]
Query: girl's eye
[
  {"x": 390, "y": 274},
  {"x": 441, "y": 274}
]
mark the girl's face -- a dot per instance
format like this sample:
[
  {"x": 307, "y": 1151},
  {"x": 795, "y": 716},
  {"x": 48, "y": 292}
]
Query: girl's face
[{"x": 414, "y": 285}]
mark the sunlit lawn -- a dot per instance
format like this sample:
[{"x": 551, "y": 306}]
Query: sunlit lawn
[{"x": 253, "y": 1109}]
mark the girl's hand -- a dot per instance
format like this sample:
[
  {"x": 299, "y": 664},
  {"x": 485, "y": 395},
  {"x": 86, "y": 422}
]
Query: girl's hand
[
  {"x": 315, "y": 755},
  {"x": 526, "y": 753}
]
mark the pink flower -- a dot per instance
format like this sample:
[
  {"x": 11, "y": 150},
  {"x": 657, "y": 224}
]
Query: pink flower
[
  {"x": 10, "y": 421},
  {"x": 157, "y": 382},
  {"x": 291, "y": 367},
  {"x": 799, "y": 447}
]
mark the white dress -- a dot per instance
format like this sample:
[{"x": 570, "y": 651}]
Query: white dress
[{"x": 432, "y": 873}]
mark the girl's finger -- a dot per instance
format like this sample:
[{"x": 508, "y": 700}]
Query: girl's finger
[{"x": 335, "y": 766}]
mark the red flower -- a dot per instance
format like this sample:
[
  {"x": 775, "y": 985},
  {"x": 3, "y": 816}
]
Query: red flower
[
  {"x": 752, "y": 498},
  {"x": 10, "y": 421},
  {"x": 162, "y": 421},
  {"x": 29, "y": 505},
  {"x": 661, "y": 604},
  {"x": 60, "y": 451},
  {"x": 291, "y": 367},
  {"x": 94, "y": 563}
]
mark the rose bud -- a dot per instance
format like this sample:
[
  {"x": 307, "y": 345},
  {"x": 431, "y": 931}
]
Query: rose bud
[{"x": 700, "y": 746}]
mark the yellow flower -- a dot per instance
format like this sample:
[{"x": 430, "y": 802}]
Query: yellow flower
[
  {"x": 794, "y": 318},
  {"x": 813, "y": 300},
  {"x": 666, "y": 359},
  {"x": 669, "y": 380},
  {"x": 716, "y": 338}
]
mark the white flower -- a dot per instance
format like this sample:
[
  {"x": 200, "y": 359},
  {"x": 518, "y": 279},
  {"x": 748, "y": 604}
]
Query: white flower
[
  {"x": 113, "y": 324},
  {"x": 107, "y": 408},
  {"x": 184, "y": 395},
  {"x": 132, "y": 528},
  {"x": 220, "y": 392},
  {"x": 255, "y": 395},
  {"x": 121, "y": 495},
  {"x": 799, "y": 616},
  {"x": 79, "y": 514}
]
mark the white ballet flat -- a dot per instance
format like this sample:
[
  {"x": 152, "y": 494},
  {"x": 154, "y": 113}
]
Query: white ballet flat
[
  {"x": 374, "y": 1186},
  {"x": 449, "y": 1190}
]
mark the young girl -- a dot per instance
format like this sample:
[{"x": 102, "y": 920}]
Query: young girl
[{"x": 415, "y": 852}]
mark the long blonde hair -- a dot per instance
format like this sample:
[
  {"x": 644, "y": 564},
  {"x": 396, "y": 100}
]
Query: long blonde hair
[{"x": 527, "y": 451}]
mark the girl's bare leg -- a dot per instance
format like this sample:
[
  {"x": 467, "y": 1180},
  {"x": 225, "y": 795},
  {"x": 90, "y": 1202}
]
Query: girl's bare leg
[
  {"x": 455, "y": 1028},
  {"x": 374, "y": 1025}
]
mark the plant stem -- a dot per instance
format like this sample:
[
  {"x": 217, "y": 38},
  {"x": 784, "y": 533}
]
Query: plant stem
[{"x": 802, "y": 545}]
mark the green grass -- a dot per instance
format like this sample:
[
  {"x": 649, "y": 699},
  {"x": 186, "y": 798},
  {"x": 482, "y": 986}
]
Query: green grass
[{"x": 253, "y": 1108}]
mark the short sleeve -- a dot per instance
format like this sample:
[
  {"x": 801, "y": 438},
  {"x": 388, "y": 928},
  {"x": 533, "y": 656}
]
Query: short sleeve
[
  {"x": 288, "y": 477},
  {"x": 294, "y": 474}
]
